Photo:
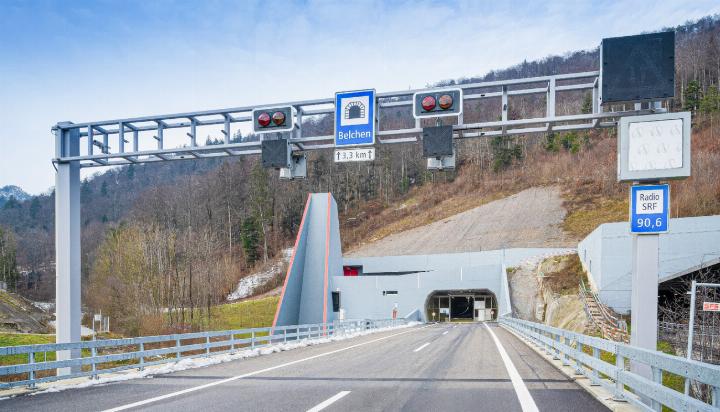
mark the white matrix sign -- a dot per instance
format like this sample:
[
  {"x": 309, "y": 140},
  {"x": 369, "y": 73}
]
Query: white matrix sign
[{"x": 655, "y": 145}]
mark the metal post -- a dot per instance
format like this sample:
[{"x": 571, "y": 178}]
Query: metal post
[
  {"x": 657, "y": 378},
  {"x": 93, "y": 354},
  {"x": 619, "y": 388},
  {"x": 691, "y": 331},
  {"x": 550, "y": 109},
  {"x": 31, "y": 378},
  {"x": 252, "y": 339},
  {"x": 142, "y": 358},
  {"x": 207, "y": 345},
  {"x": 177, "y": 347},
  {"x": 67, "y": 245},
  {"x": 594, "y": 376},
  {"x": 644, "y": 300},
  {"x": 556, "y": 353},
  {"x": 578, "y": 366}
]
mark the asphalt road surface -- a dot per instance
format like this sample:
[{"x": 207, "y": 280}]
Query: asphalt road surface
[{"x": 427, "y": 368}]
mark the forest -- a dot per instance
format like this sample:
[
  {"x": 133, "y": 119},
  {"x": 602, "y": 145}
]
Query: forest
[{"x": 162, "y": 244}]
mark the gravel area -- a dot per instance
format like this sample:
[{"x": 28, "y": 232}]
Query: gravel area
[{"x": 531, "y": 218}]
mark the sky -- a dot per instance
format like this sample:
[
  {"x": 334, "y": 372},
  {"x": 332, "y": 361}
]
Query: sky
[{"x": 83, "y": 61}]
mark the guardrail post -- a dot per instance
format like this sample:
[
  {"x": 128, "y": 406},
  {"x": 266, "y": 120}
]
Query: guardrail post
[
  {"x": 594, "y": 376},
  {"x": 207, "y": 344},
  {"x": 93, "y": 354},
  {"x": 556, "y": 352},
  {"x": 252, "y": 339},
  {"x": 31, "y": 377},
  {"x": 177, "y": 346},
  {"x": 578, "y": 366},
  {"x": 619, "y": 388},
  {"x": 657, "y": 378},
  {"x": 548, "y": 347},
  {"x": 142, "y": 358},
  {"x": 715, "y": 396},
  {"x": 285, "y": 335},
  {"x": 232, "y": 342},
  {"x": 566, "y": 356}
]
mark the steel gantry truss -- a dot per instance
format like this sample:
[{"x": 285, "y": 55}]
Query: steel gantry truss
[
  {"x": 126, "y": 134},
  {"x": 80, "y": 145}
]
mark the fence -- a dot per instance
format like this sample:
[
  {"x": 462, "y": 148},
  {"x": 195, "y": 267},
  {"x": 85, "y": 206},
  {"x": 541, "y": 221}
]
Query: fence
[
  {"x": 605, "y": 363},
  {"x": 112, "y": 355},
  {"x": 706, "y": 339}
]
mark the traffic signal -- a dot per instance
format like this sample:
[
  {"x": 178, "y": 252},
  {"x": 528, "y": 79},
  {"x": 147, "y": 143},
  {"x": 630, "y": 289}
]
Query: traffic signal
[
  {"x": 436, "y": 103},
  {"x": 273, "y": 119}
]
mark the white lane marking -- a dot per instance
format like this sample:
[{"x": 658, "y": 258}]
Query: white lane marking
[
  {"x": 421, "y": 347},
  {"x": 328, "y": 402},
  {"x": 446, "y": 332},
  {"x": 234, "y": 378},
  {"x": 526, "y": 401}
]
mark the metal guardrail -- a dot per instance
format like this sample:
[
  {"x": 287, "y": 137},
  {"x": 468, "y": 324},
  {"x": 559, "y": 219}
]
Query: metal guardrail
[
  {"x": 96, "y": 357},
  {"x": 571, "y": 347}
]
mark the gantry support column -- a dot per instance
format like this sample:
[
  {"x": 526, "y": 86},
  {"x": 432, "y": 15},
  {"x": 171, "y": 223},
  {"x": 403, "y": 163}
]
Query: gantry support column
[{"x": 67, "y": 245}]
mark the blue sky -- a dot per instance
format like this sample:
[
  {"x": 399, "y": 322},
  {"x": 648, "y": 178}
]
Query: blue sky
[{"x": 82, "y": 61}]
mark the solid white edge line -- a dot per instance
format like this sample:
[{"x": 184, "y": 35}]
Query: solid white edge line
[
  {"x": 324, "y": 404},
  {"x": 526, "y": 401},
  {"x": 421, "y": 347},
  {"x": 234, "y": 378}
]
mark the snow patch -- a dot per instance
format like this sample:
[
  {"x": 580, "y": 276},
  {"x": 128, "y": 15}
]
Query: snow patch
[
  {"x": 44, "y": 306},
  {"x": 247, "y": 285}
]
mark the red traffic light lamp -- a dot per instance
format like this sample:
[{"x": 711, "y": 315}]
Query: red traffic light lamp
[
  {"x": 436, "y": 103},
  {"x": 273, "y": 119}
]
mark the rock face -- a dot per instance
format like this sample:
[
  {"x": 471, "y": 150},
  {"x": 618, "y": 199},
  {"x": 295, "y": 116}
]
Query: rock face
[
  {"x": 20, "y": 315},
  {"x": 531, "y": 218}
]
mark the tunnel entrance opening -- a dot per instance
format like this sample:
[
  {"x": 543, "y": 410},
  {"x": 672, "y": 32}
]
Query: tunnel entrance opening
[{"x": 461, "y": 305}]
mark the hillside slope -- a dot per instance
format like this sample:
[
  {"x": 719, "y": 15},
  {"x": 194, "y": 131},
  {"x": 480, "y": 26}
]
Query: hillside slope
[
  {"x": 530, "y": 218},
  {"x": 19, "y": 315}
]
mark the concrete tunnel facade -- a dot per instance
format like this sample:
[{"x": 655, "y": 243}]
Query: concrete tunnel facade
[{"x": 372, "y": 287}]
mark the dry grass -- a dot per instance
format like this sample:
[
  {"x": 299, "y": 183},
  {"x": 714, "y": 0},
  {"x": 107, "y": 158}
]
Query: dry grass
[
  {"x": 583, "y": 220},
  {"x": 562, "y": 274}
]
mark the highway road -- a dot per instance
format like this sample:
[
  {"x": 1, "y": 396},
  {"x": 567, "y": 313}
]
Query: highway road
[{"x": 479, "y": 367}]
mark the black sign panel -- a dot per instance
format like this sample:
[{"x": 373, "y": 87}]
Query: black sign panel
[
  {"x": 437, "y": 141},
  {"x": 275, "y": 153},
  {"x": 636, "y": 68}
]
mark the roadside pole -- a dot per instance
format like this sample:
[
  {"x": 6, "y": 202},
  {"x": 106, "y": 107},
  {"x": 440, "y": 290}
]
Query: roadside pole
[
  {"x": 691, "y": 330},
  {"x": 644, "y": 302}
]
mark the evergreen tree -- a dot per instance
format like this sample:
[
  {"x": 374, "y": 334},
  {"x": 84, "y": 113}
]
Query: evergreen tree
[
  {"x": 8, "y": 263},
  {"x": 693, "y": 95}
]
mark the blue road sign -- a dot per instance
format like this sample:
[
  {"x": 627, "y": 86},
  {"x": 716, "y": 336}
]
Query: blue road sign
[
  {"x": 355, "y": 118},
  {"x": 649, "y": 208}
]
